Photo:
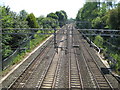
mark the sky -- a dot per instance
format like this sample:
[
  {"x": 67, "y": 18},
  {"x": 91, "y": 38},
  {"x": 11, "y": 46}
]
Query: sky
[{"x": 44, "y": 7}]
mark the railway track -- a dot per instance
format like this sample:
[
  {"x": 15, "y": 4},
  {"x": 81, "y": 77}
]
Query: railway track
[
  {"x": 32, "y": 73},
  {"x": 34, "y": 79},
  {"x": 86, "y": 77},
  {"x": 38, "y": 83},
  {"x": 73, "y": 66},
  {"x": 100, "y": 81},
  {"x": 75, "y": 80},
  {"x": 74, "y": 72},
  {"x": 49, "y": 77},
  {"x": 29, "y": 70}
]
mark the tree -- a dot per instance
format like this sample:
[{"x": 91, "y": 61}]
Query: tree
[
  {"x": 89, "y": 11},
  {"x": 113, "y": 19},
  {"x": 39, "y": 20},
  {"x": 65, "y": 14},
  {"x": 86, "y": 14},
  {"x": 32, "y": 21},
  {"x": 97, "y": 23},
  {"x": 11, "y": 20},
  {"x": 99, "y": 41},
  {"x": 49, "y": 23},
  {"x": 52, "y": 15},
  {"x": 103, "y": 9},
  {"x": 23, "y": 14},
  {"x": 62, "y": 17}
]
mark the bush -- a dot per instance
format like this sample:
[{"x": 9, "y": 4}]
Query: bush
[{"x": 99, "y": 41}]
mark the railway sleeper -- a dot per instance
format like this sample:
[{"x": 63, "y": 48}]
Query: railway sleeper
[{"x": 103, "y": 86}]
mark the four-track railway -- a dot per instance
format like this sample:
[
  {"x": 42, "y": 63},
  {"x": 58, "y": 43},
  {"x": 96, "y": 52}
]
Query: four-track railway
[{"x": 72, "y": 66}]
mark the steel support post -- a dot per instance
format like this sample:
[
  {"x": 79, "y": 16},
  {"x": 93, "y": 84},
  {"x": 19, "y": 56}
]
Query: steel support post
[
  {"x": 72, "y": 35},
  {"x": 1, "y": 66},
  {"x": 67, "y": 32},
  {"x": 55, "y": 42}
]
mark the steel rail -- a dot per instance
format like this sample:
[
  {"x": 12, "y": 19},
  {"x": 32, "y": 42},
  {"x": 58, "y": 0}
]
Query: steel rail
[
  {"x": 27, "y": 68},
  {"x": 80, "y": 76},
  {"x": 90, "y": 72},
  {"x": 56, "y": 72},
  {"x": 69, "y": 70},
  {"x": 98, "y": 67},
  {"x": 38, "y": 86},
  {"x": 74, "y": 64},
  {"x": 41, "y": 81},
  {"x": 36, "y": 67},
  {"x": 87, "y": 67},
  {"x": 77, "y": 62}
]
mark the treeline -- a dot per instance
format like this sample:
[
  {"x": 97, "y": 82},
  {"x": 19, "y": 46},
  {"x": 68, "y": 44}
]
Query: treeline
[
  {"x": 99, "y": 15},
  {"x": 11, "y": 20},
  {"x": 102, "y": 15}
]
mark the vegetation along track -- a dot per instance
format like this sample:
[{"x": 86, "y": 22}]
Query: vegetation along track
[{"x": 100, "y": 81}]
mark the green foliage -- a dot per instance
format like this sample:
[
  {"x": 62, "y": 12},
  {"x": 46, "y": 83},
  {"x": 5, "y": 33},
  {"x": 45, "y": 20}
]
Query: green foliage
[
  {"x": 23, "y": 14},
  {"x": 49, "y": 23},
  {"x": 99, "y": 15},
  {"x": 39, "y": 20},
  {"x": 6, "y": 51},
  {"x": 89, "y": 11},
  {"x": 117, "y": 58},
  {"x": 33, "y": 43},
  {"x": 32, "y": 21},
  {"x": 7, "y": 21},
  {"x": 53, "y": 15},
  {"x": 86, "y": 14},
  {"x": 97, "y": 23},
  {"x": 113, "y": 18},
  {"x": 52, "y": 20},
  {"x": 62, "y": 17},
  {"x": 102, "y": 10},
  {"x": 58, "y": 18},
  {"x": 65, "y": 14},
  {"x": 99, "y": 41},
  {"x": 11, "y": 20}
]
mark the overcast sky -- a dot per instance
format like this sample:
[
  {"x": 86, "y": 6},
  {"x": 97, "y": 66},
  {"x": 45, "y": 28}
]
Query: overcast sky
[{"x": 44, "y": 7}]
